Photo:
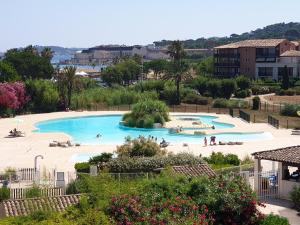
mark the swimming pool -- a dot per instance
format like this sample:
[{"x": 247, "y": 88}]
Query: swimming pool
[{"x": 85, "y": 129}]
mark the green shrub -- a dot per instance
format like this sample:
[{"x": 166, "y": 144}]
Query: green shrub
[
  {"x": 220, "y": 159},
  {"x": 243, "y": 82},
  {"x": 104, "y": 157},
  {"x": 44, "y": 95},
  {"x": 169, "y": 92},
  {"x": 260, "y": 90},
  {"x": 290, "y": 110},
  {"x": 256, "y": 103},
  {"x": 72, "y": 188},
  {"x": 141, "y": 147},
  {"x": 4, "y": 194},
  {"x": 228, "y": 87},
  {"x": 200, "y": 84},
  {"x": 295, "y": 197},
  {"x": 149, "y": 122},
  {"x": 213, "y": 87},
  {"x": 33, "y": 192},
  {"x": 147, "y": 164},
  {"x": 109, "y": 97},
  {"x": 193, "y": 98},
  {"x": 83, "y": 167},
  {"x": 242, "y": 93},
  {"x": 274, "y": 220},
  {"x": 224, "y": 103},
  {"x": 145, "y": 113}
]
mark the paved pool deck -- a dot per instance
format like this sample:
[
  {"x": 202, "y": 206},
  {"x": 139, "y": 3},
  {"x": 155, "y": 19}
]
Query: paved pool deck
[
  {"x": 20, "y": 152},
  {"x": 282, "y": 208}
]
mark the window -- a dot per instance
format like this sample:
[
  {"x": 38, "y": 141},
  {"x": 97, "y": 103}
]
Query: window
[{"x": 265, "y": 71}]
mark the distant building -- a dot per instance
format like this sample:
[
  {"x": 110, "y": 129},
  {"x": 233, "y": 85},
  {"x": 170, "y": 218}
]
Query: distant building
[
  {"x": 257, "y": 59},
  {"x": 107, "y": 54}
]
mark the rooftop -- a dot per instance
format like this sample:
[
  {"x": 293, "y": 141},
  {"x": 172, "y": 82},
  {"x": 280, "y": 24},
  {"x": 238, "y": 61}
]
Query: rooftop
[
  {"x": 291, "y": 53},
  {"x": 195, "y": 171},
  {"x": 253, "y": 43},
  {"x": 23, "y": 207},
  {"x": 288, "y": 155}
]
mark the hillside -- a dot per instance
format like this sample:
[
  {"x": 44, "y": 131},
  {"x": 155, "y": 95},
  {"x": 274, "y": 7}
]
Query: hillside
[
  {"x": 60, "y": 53},
  {"x": 290, "y": 31}
]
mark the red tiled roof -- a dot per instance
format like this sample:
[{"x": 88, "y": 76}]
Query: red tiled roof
[
  {"x": 23, "y": 207},
  {"x": 288, "y": 155},
  {"x": 291, "y": 53},
  {"x": 195, "y": 171},
  {"x": 253, "y": 43}
]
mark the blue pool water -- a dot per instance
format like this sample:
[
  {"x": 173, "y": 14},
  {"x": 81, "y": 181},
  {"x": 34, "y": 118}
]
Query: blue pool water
[{"x": 85, "y": 129}]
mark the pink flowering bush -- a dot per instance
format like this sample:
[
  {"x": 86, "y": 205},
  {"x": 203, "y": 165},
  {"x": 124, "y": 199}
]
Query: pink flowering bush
[
  {"x": 127, "y": 210},
  {"x": 12, "y": 96}
]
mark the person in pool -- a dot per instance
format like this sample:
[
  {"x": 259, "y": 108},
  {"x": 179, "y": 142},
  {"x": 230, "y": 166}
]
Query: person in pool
[
  {"x": 98, "y": 135},
  {"x": 205, "y": 141}
]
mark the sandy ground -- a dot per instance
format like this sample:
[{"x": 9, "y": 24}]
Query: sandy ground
[
  {"x": 20, "y": 152},
  {"x": 282, "y": 99},
  {"x": 281, "y": 208}
]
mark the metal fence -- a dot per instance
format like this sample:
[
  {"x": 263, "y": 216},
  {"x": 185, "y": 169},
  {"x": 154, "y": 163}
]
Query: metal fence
[
  {"x": 19, "y": 193},
  {"x": 245, "y": 116},
  {"x": 273, "y": 121},
  {"x": 265, "y": 183}
]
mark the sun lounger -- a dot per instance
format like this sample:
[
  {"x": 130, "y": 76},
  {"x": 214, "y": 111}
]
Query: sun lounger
[
  {"x": 16, "y": 133},
  {"x": 164, "y": 145}
]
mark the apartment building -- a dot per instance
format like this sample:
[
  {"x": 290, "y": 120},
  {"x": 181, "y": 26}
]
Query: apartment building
[
  {"x": 257, "y": 59},
  {"x": 106, "y": 54}
]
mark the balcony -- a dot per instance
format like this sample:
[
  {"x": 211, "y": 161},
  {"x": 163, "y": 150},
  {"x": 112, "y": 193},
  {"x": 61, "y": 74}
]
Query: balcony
[
  {"x": 266, "y": 58},
  {"x": 227, "y": 64},
  {"x": 222, "y": 55}
]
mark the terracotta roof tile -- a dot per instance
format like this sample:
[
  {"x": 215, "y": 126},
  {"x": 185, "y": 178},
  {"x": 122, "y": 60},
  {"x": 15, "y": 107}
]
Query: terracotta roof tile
[
  {"x": 253, "y": 43},
  {"x": 23, "y": 207},
  {"x": 195, "y": 171},
  {"x": 288, "y": 155},
  {"x": 291, "y": 53}
]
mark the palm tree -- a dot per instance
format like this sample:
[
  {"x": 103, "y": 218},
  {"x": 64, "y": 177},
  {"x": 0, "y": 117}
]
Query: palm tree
[
  {"x": 179, "y": 70},
  {"x": 47, "y": 53},
  {"x": 69, "y": 75}
]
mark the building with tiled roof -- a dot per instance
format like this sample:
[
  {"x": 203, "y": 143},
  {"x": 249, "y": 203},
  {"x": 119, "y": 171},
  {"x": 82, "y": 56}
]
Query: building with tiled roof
[
  {"x": 286, "y": 170},
  {"x": 261, "y": 58},
  {"x": 23, "y": 207},
  {"x": 195, "y": 170},
  {"x": 287, "y": 155},
  {"x": 291, "y": 53},
  {"x": 265, "y": 43}
]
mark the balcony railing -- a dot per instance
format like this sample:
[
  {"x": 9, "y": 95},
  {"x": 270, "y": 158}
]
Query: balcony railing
[
  {"x": 220, "y": 55},
  {"x": 227, "y": 64}
]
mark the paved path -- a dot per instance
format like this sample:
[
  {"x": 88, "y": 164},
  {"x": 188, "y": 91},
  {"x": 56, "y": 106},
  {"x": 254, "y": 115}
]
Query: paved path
[{"x": 282, "y": 208}]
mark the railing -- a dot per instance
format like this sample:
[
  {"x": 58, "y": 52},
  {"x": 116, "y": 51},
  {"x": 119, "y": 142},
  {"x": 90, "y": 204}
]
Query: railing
[
  {"x": 273, "y": 121},
  {"x": 236, "y": 169},
  {"x": 19, "y": 193},
  {"x": 264, "y": 183},
  {"x": 245, "y": 116}
]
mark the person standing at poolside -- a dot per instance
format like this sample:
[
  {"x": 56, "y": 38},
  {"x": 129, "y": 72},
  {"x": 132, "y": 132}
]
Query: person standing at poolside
[{"x": 205, "y": 141}]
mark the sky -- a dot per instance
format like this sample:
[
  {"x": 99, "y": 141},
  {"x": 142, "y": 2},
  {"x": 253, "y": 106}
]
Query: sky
[{"x": 86, "y": 23}]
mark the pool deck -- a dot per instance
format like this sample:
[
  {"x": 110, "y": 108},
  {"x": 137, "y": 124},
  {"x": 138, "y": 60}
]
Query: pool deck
[{"x": 20, "y": 152}]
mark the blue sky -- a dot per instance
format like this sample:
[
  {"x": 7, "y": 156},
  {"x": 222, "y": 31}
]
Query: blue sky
[{"x": 85, "y": 23}]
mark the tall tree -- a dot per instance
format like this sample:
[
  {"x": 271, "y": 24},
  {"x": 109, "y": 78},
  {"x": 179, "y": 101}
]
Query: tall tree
[
  {"x": 47, "y": 53},
  {"x": 178, "y": 70},
  {"x": 158, "y": 67},
  {"x": 8, "y": 73},
  {"x": 29, "y": 64},
  {"x": 285, "y": 78},
  {"x": 69, "y": 74}
]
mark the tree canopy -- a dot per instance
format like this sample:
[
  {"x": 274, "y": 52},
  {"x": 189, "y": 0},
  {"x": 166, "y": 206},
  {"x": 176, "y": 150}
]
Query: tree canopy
[{"x": 28, "y": 63}]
